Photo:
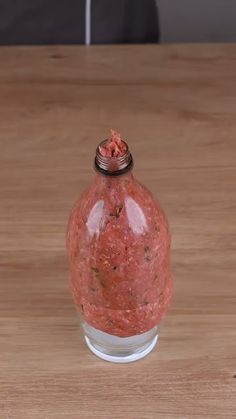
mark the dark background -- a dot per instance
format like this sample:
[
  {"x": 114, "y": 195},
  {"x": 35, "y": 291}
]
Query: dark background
[
  {"x": 63, "y": 22},
  {"x": 117, "y": 21}
]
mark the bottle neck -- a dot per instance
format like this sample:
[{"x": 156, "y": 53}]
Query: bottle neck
[
  {"x": 113, "y": 166},
  {"x": 113, "y": 181}
]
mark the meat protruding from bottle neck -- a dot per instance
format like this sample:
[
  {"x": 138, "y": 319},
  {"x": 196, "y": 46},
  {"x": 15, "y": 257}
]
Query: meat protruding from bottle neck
[{"x": 113, "y": 157}]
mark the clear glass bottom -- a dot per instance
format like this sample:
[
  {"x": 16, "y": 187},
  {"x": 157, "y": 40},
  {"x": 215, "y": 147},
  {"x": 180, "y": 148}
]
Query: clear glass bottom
[{"x": 116, "y": 349}]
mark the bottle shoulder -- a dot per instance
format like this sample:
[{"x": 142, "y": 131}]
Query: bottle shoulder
[{"x": 118, "y": 206}]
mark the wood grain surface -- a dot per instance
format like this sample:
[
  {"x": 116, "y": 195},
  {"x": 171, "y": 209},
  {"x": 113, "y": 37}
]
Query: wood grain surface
[{"x": 176, "y": 105}]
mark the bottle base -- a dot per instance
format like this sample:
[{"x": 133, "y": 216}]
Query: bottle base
[{"x": 117, "y": 349}]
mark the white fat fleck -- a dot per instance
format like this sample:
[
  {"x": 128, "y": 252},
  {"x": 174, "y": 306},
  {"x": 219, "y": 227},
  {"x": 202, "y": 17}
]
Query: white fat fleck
[
  {"x": 95, "y": 217},
  {"x": 136, "y": 217}
]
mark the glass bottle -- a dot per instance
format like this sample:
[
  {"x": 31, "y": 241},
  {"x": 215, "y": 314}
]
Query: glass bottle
[{"x": 118, "y": 246}]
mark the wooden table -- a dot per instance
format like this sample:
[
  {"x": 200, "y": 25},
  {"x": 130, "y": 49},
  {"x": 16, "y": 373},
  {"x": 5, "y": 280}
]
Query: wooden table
[{"x": 176, "y": 105}]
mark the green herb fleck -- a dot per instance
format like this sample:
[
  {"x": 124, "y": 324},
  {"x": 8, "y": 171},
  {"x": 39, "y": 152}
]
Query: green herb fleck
[
  {"x": 102, "y": 282},
  {"x": 117, "y": 211},
  {"x": 132, "y": 294},
  {"x": 147, "y": 256},
  {"x": 161, "y": 298},
  {"x": 119, "y": 208},
  {"x": 98, "y": 275}
]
